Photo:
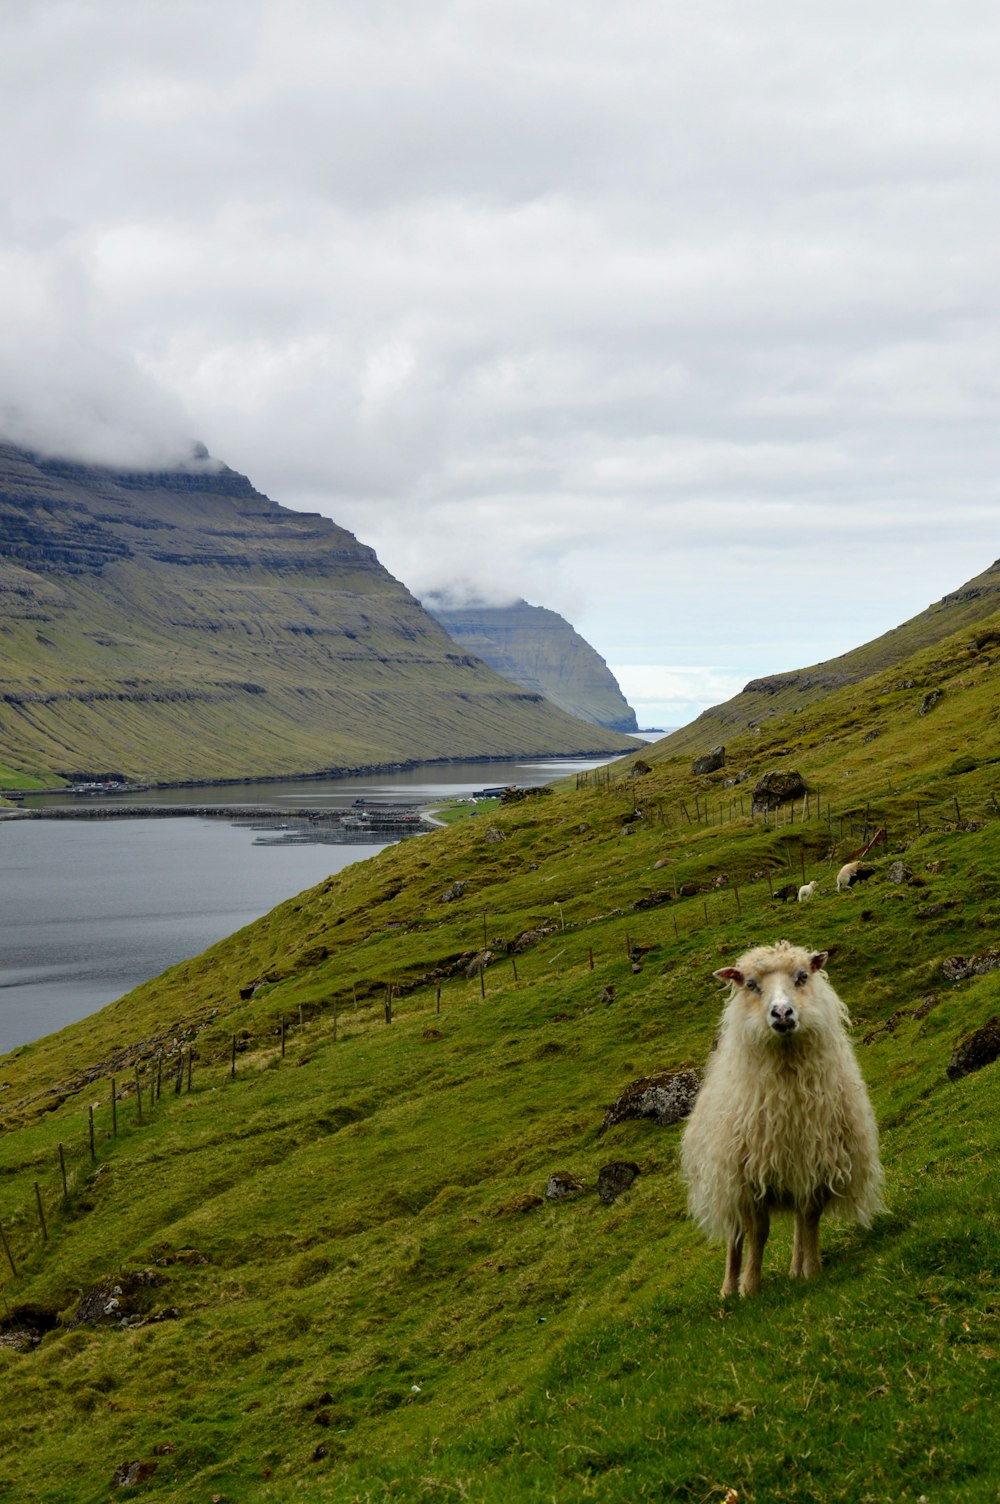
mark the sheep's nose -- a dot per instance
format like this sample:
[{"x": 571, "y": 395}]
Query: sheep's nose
[{"x": 783, "y": 1017}]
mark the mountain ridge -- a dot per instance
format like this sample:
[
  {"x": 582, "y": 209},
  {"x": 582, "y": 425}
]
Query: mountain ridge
[
  {"x": 537, "y": 648},
  {"x": 222, "y": 635}
]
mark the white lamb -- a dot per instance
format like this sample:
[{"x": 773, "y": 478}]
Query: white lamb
[
  {"x": 845, "y": 875},
  {"x": 807, "y": 890},
  {"x": 782, "y": 1121}
]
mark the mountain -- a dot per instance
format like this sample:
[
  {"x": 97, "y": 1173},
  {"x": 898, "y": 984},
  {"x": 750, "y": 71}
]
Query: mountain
[
  {"x": 541, "y": 651},
  {"x": 333, "y": 1261},
  {"x": 793, "y": 691},
  {"x": 180, "y": 626}
]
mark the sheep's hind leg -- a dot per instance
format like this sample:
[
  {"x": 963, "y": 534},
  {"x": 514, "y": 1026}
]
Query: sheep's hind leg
[
  {"x": 734, "y": 1259},
  {"x": 806, "y": 1261},
  {"x": 757, "y": 1227}
]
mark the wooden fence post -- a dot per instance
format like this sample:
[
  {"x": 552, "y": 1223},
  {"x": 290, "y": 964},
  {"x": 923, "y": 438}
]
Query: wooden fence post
[
  {"x": 114, "y": 1109},
  {"x": 232, "y": 1064},
  {"x": 335, "y": 1020},
  {"x": 437, "y": 999},
  {"x": 90, "y": 1123},
  {"x": 190, "y": 1066},
  {"x": 590, "y": 956},
  {"x": 513, "y": 962},
  {"x": 282, "y": 1037},
  {"x": 10, "y": 1256},
  {"x": 41, "y": 1213},
  {"x": 62, "y": 1171},
  {"x": 138, "y": 1092}
]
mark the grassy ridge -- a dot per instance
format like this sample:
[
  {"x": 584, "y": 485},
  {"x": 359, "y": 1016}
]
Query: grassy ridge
[{"x": 350, "y": 1245}]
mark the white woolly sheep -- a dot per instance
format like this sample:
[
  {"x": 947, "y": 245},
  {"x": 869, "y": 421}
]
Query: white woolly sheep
[
  {"x": 782, "y": 1122},
  {"x": 845, "y": 876},
  {"x": 807, "y": 890}
]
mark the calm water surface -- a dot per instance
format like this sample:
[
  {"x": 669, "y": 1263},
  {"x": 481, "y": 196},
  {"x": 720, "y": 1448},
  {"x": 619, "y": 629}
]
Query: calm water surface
[{"x": 91, "y": 908}]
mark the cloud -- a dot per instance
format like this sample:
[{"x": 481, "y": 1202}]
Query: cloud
[{"x": 680, "y": 319}]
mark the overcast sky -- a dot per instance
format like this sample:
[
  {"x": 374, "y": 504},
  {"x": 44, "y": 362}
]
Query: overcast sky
[{"x": 678, "y": 317}]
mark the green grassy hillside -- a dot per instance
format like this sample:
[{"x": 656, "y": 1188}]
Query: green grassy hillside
[
  {"x": 789, "y": 693},
  {"x": 183, "y": 627},
  {"x": 337, "y": 1274}
]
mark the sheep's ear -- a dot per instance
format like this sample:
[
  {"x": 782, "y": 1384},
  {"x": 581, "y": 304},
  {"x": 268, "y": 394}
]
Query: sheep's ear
[
  {"x": 729, "y": 974},
  {"x": 818, "y": 959}
]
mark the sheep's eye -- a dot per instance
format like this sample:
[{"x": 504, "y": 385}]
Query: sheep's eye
[
  {"x": 801, "y": 978},
  {"x": 752, "y": 984}
]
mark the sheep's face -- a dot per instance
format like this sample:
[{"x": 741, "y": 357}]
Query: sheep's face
[{"x": 773, "y": 997}]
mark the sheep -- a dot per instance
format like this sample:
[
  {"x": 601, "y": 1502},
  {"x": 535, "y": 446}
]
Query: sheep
[
  {"x": 782, "y": 1122},
  {"x": 807, "y": 890},
  {"x": 851, "y": 873}
]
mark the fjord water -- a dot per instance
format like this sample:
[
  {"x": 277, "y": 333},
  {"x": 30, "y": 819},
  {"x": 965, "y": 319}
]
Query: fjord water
[{"x": 90, "y": 908}]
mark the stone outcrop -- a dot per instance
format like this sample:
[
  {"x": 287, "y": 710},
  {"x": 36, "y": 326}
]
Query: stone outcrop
[
  {"x": 777, "y": 788},
  {"x": 664, "y": 1097}
]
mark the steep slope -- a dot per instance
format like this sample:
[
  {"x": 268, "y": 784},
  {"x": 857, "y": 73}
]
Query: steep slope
[
  {"x": 334, "y": 1272},
  {"x": 781, "y": 694},
  {"x": 181, "y": 626},
  {"x": 541, "y": 651}
]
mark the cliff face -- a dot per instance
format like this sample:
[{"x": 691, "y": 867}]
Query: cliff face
[
  {"x": 180, "y": 625},
  {"x": 539, "y": 650}
]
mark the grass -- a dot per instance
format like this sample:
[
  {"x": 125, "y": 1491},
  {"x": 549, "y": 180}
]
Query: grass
[{"x": 357, "y": 1289}]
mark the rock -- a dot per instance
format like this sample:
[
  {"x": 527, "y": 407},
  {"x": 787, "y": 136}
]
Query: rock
[
  {"x": 493, "y": 835},
  {"x": 479, "y": 963},
  {"x": 132, "y": 1473},
  {"x": 455, "y": 891},
  {"x": 529, "y": 937},
  {"x": 899, "y": 872},
  {"x": 639, "y": 769},
  {"x": 690, "y": 890},
  {"x": 977, "y": 1049},
  {"x": 615, "y": 1178},
  {"x": 711, "y": 762},
  {"x": 562, "y": 1183},
  {"x": 665, "y": 1097},
  {"x": 777, "y": 788},
  {"x": 872, "y": 736},
  {"x": 608, "y": 995},
  {"x": 935, "y": 910},
  {"x": 929, "y": 701},
  {"x": 958, "y": 967},
  {"x": 652, "y": 900}
]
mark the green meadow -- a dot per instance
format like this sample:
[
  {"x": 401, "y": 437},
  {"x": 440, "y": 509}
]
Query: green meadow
[{"x": 338, "y": 1274}]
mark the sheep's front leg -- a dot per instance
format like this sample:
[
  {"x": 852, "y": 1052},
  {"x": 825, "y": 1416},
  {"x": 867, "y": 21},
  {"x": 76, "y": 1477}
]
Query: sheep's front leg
[
  {"x": 806, "y": 1261},
  {"x": 756, "y": 1228},
  {"x": 734, "y": 1258}
]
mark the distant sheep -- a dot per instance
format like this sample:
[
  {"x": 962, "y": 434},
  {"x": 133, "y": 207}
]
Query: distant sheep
[
  {"x": 807, "y": 890},
  {"x": 782, "y": 1122},
  {"x": 851, "y": 873}
]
